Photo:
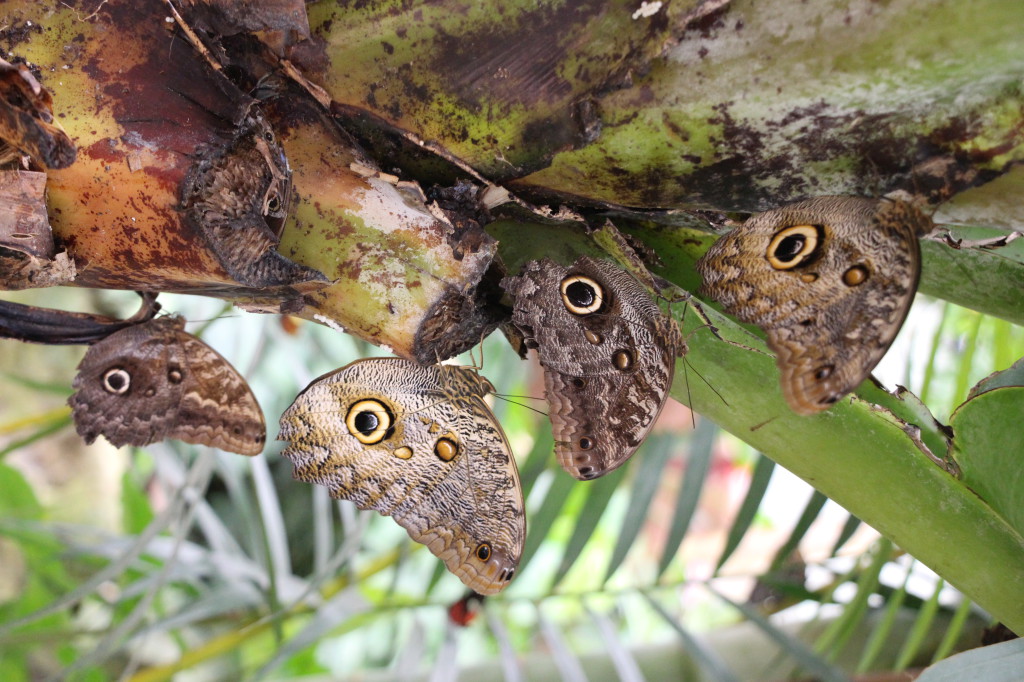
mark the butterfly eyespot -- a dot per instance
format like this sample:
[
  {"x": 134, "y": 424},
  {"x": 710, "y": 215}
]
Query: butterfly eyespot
[
  {"x": 585, "y": 443},
  {"x": 404, "y": 452},
  {"x": 830, "y": 400},
  {"x": 483, "y": 551},
  {"x": 858, "y": 274},
  {"x": 793, "y": 246},
  {"x": 446, "y": 449},
  {"x": 268, "y": 135},
  {"x": 274, "y": 204},
  {"x": 174, "y": 375},
  {"x": 237, "y": 430},
  {"x": 593, "y": 337},
  {"x": 507, "y": 574},
  {"x": 370, "y": 421},
  {"x": 622, "y": 359},
  {"x": 809, "y": 277},
  {"x": 823, "y": 372},
  {"x": 585, "y": 472},
  {"x": 581, "y": 295},
  {"x": 579, "y": 382},
  {"x": 806, "y": 323},
  {"x": 116, "y": 381}
]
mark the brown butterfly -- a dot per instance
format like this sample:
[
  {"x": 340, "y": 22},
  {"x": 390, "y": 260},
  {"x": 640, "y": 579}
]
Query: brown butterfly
[
  {"x": 153, "y": 380},
  {"x": 830, "y": 279},
  {"x": 608, "y": 354}
]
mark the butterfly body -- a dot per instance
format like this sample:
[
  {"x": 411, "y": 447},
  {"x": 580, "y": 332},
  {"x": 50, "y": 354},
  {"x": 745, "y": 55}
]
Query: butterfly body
[
  {"x": 418, "y": 444},
  {"x": 608, "y": 354},
  {"x": 153, "y": 380},
  {"x": 830, "y": 280}
]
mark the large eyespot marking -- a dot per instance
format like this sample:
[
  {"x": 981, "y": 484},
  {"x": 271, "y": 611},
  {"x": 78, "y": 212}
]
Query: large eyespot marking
[
  {"x": 116, "y": 381},
  {"x": 581, "y": 295},
  {"x": 274, "y": 203},
  {"x": 446, "y": 449},
  {"x": 483, "y": 551},
  {"x": 793, "y": 246},
  {"x": 858, "y": 274},
  {"x": 370, "y": 421},
  {"x": 622, "y": 359},
  {"x": 585, "y": 443}
]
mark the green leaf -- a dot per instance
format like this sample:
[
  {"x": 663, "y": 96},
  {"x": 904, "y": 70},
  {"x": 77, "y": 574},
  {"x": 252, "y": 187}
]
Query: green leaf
[
  {"x": 598, "y": 494},
  {"x": 135, "y": 509},
  {"x": 996, "y": 663},
  {"x": 984, "y": 445},
  {"x": 697, "y": 466},
  {"x": 17, "y": 501},
  {"x": 759, "y": 480},
  {"x": 653, "y": 456},
  {"x": 810, "y": 513}
]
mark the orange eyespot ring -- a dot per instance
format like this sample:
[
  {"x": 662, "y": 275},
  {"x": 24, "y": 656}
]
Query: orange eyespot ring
[
  {"x": 483, "y": 551},
  {"x": 581, "y": 295},
  {"x": 793, "y": 246},
  {"x": 370, "y": 421},
  {"x": 116, "y": 381}
]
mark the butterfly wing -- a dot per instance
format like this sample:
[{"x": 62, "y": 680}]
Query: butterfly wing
[
  {"x": 154, "y": 381},
  {"x": 830, "y": 280},
  {"x": 608, "y": 355},
  {"x": 217, "y": 407},
  {"x": 420, "y": 445}
]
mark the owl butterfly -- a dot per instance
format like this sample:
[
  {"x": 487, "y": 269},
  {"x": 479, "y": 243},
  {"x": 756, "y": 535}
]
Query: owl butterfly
[
  {"x": 420, "y": 445},
  {"x": 829, "y": 279},
  {"x": 153, "y": 381},
  {"x": 608, "y": 354}
]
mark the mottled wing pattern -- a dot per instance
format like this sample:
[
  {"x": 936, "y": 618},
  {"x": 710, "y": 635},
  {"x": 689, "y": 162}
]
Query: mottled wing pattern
[
  {"x": 607, "y": 374},
  {"x": 833, "y": 313},
  {"x": 438, "y": 462},
  {"x": 217, "y": 406},
  {"x": 154, "y": 381}
]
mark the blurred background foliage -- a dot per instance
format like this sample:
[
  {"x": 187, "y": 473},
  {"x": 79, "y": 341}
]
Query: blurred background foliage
[{"x": 700, "y": 560}]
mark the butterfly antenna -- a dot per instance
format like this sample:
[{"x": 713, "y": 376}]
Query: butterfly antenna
[
  {"x": 507, "y": 399},
  {"x": 720, "y": 397}
]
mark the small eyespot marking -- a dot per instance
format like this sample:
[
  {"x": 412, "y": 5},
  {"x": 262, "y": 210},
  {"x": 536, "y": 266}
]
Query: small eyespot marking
[
  {"x": 116, "y": 381},
  {"x": 593, "y": 337},
  {"x": 809, "y": 277},
  {"x": 483, "y": 551},
  {"x": 585, "y": 443},
  {"x": 582, "y": 295},
  {"x": 174, "y": 375},
  {"x": 579, "y": 382},
  {"x": 622, "y": 359},
  {"x": 856, "y": 275},
  {"x": 370, "y": 421},
  {"x": 793, "y": 246},
  {"x": 274, "y": 204},
  {"x": 446, "y": 449},
  {"x": 404, "y": 452},
  {"x": 823, "y": 372}
]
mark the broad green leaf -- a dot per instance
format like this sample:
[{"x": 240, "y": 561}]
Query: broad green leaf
[
  {"x": 1001, "y": 662},
  {"x": 987, "y": 448}
]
